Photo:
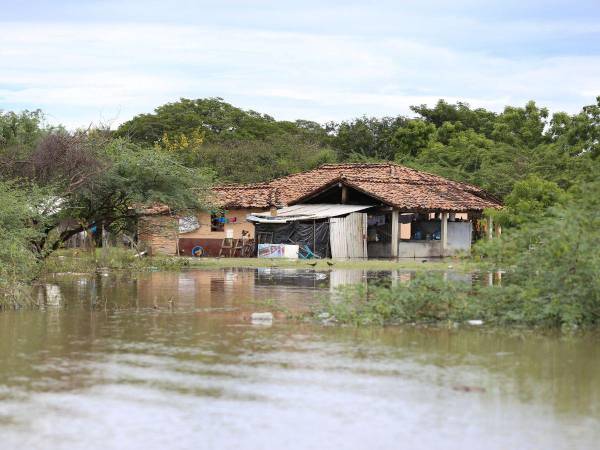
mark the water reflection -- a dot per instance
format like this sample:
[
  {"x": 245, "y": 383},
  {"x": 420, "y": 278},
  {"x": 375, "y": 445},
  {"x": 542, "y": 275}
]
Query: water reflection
[
  {"x": 198, "y": 374},
  {"x": 224, "y": 288}
]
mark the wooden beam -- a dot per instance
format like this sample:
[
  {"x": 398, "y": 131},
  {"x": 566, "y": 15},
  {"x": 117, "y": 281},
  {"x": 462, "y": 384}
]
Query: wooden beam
[
  {"x": 395, "y": 233},
  {"x": 490, "y": 227},
  {"x": 344, "y": 194},
  {"x": 444, "y": 233}
]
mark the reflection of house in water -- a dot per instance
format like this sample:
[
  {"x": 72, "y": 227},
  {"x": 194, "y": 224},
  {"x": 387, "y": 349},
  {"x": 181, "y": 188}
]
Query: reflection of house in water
[
  {"x": 229, "y": 291},
  {"x": 302, "y": 278},
  {"x": 337, "y": 210},
  {"x": 198, "y": 288}
]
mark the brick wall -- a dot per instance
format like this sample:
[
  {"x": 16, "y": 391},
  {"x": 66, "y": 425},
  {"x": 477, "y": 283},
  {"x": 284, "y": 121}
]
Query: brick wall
[{"x": 158, "y": 234}]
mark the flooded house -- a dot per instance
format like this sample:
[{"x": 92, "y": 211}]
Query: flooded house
[{"x": 362, "y": 210}]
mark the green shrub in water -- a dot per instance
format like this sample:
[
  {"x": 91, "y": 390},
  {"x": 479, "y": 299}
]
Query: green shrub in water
[
  {"x": 552, "y": 279},
  {"x": 427, "y": 298}
]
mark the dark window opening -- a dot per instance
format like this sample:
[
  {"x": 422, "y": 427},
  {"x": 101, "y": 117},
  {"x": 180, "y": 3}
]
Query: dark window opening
[{"x": 217, "y": 222}]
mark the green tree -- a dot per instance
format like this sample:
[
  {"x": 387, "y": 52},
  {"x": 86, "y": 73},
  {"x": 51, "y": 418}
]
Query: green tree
[
  {"x": 18, "y": 263},
  {"x": 553, "y": 262},
  {"x": 219, "y": 120},
  {"x": 460, "y": 115},
  {"x": 20, "y": 129},
  {"x": 261, "y": 160},
  {"x": 92, "y": 180},
  {"x": 365, "y": 138},
  {"x": 521, "y": 126},
  {"x": 412, "y": 138},
  {"x": 528, "y": 201}
]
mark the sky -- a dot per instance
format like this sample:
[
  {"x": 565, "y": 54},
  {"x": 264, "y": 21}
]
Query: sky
[{"x": 102, "y": 62}]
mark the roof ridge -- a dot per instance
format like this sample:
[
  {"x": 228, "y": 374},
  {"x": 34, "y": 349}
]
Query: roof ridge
[
  {"x": 348, "y": 164},
  {"x": 244, "y": 186},
  {"x": 392, "y": 180}
]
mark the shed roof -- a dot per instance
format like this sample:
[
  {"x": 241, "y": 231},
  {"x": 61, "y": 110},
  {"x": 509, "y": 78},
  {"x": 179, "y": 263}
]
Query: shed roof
[{"x": 307, "y": 212}]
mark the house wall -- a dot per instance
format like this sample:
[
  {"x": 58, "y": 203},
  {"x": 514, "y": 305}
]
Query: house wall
[
  {"x": 158, "y": 234},
  {"x": 419, "y": 249},
  {"x": 459, "y": 240},
  {"x": 379, "y": 250},
  {"x": 459, "y": 237},
  {"x": 240, "y": 224},
  {"x": 211, "y": 241}
]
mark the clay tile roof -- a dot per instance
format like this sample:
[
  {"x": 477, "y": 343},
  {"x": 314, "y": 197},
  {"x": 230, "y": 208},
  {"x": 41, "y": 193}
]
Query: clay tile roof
[
  {"x": 392, "y": 184},
  {"x": 246, "y": 196}
]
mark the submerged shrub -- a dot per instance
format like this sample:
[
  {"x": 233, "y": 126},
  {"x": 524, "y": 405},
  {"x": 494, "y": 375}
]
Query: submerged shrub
[
  {"x": 554, "y": 263},
  {"x": 427, "y": 298},
  {"x": 18, "y": 262},
  {"x": 431, "y": 299}
]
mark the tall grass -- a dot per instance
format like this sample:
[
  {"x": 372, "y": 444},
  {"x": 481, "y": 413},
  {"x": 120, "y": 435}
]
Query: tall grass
[{"x": 114, "y": 258}]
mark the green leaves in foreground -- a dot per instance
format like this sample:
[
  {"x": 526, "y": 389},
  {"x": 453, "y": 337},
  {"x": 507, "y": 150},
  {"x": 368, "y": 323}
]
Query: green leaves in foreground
[{"x": 17, "y": 261}]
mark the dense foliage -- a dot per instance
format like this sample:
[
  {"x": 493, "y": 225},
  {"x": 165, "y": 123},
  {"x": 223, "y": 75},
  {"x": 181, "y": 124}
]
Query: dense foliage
[
  {"x": 18, "y": 263},
  {"x": 240, "y": 146},
  {"x": 552, "y": 275},
  {"x": 82, "y": 181}
]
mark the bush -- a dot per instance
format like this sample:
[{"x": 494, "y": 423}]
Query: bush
[
  {"x": 18, "y": 263},
  {"x": 552, "y": 279},
  {"x": 426, "y": 299}
]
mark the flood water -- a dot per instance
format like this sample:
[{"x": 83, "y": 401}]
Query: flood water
[{"x": 169, "y": 360}]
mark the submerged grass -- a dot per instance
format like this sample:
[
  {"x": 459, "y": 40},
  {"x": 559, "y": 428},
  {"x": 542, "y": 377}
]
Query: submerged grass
[
  {"x": 88, "y": 261},
  {"x": 81, "y": 261},
  {"x": 15, "y": 295}
]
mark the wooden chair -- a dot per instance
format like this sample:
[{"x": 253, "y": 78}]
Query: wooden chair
[
  {"x": 227, "y": 245},
  {"x": 238, "y": 248}
]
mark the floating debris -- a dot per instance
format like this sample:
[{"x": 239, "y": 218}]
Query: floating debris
[
  {"x": 261, "y": 318},
  {"x": 475, "y": 322}
]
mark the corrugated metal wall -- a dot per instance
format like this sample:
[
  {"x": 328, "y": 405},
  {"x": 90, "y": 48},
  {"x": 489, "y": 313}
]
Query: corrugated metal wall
[{"x": 348, "y": 236}]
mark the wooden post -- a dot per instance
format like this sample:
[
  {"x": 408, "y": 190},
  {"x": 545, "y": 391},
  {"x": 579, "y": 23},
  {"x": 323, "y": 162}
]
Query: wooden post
[
  {"x": 104, "y": 243},
  {"x": 314, "y": 249},
  {"x": 490, "y": 227},
  {"x": 444, "y": 233},
  {"x": 395, "y": 233},
  {"x": 177, "y": 237},
  {"x": 498, "y": 230},
  {"x": 344, "y": 194}
]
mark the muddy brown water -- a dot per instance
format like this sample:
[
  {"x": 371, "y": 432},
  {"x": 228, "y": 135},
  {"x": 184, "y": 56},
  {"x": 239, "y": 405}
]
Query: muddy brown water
[{"x": 171, "y": 360}]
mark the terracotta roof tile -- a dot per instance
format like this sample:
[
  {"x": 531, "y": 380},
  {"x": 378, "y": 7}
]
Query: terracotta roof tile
[
  {"x": 247, "y": 196},
  {"x": 396, "y": 185}
]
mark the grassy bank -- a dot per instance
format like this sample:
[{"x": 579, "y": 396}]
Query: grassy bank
[{"x": 79, "y": 261}]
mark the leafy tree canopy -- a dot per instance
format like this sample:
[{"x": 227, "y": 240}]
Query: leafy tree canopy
[{"x": 220, "y": 121}]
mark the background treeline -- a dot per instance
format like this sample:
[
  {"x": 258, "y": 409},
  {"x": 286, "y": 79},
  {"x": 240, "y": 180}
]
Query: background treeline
[{"x": 492, "y": 150}]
